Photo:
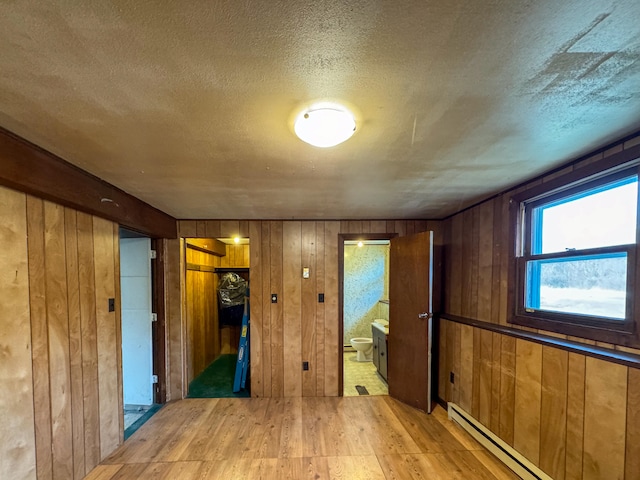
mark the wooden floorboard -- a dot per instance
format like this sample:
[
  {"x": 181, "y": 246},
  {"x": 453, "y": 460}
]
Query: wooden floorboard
[{"x": 350, "y": 438}]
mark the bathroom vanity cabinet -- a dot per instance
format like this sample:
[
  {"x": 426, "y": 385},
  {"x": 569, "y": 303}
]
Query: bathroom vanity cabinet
[{"x": 380, "y": 351}]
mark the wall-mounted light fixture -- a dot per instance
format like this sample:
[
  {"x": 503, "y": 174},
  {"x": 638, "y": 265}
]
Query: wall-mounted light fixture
[{"x": 325, "y": 125}]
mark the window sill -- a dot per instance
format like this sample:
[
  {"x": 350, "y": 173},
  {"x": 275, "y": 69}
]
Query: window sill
[{"x": 608, "y": 334}]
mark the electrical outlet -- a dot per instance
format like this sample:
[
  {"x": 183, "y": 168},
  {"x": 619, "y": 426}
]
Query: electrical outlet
[
  {"x": 452, "y": 377},
  {"x": 274, "y": 298},
  {"x": 112, "y": 304},
  {"x": 305, "y": 365},
  {"x": 321, "y": 298}
]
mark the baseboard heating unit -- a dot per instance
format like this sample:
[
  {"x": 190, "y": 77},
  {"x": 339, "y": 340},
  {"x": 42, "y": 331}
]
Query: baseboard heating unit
[{"x": 507, "y": 455}]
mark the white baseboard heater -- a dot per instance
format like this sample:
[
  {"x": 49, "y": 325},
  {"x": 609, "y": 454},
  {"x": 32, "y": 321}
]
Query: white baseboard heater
[{"x": 506, "y": 453}]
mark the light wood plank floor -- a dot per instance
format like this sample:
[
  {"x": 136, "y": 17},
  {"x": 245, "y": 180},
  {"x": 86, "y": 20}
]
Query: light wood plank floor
[{"x": 299, "y": 438}]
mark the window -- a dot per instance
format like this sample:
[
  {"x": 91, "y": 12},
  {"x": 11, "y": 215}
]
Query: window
[{"x": 576, "y": 256}]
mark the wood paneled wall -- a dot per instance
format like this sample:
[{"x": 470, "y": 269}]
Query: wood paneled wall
[
  {"x": 297, "y": 328},
  {"x": 61, "y": 395},
  {"x": 175, "y": 312},
  {"x": 203, "y": 334},
  {"x": 476, "y": 273},
  {"x": 573, "y": 416},
  {"x": 236, "y": 256}
]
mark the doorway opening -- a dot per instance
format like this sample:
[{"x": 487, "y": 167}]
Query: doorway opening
[
  {"x": 364, "y": 312},
  {"x": 139, "y": 381},
  {"x": 216, "y": 299}
]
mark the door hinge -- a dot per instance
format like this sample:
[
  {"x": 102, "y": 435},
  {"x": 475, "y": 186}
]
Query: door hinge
[
  {"x": 154, "y": 317},
  {"x": 154, "y": 379},
  {"x": 152, "y": 254}
]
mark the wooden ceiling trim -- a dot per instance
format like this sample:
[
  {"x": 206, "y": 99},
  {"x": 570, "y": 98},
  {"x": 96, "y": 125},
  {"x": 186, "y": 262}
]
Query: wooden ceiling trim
[{"x": 28, "y": 168}]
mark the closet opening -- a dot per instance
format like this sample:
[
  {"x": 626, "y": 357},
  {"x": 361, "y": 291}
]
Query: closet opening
[{"x": 217, "y": 317}]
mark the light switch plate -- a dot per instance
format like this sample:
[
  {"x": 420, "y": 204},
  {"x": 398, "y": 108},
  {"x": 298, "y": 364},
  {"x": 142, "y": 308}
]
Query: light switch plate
[{"x": 305, "y": 272}]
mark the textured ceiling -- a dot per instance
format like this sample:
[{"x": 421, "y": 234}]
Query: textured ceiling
[{"x": 188, "y": 105}]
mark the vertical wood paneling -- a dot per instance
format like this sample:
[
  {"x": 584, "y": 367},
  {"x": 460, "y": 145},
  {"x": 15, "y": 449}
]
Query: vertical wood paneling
[
  {"x": 320, "y": 308},
  {"x": 200, "y": 323},
  {"x": 575, "y": 416},
  {"x": 354, "y": 226},
  {"x": 90, "y": 387},
  {"x": 188, "y": 228},
  {"x": 475, "y": 262},
  {"x": 256, "y": 328},
  {"x": 454, "y": 289},
  {"x": 457, "y": 360},
  {"x": 265, "y": 247},
  {"x": 39, "y": 335},
  {"x": 475, "y": 390},
  {"x": 229, "y": 228},
  {"x": 632, "y": 457},
  {"x": 444, "y": 367},
  {"x": 424, "y": 226},
  {"x": 276, "y": 313},
  {"x": 504, "y": 260},
  {"x": 507, "y": 388},
  {"x": 496, "y": 340},
  {"x": 62, "y": 415},
  {"x": 58, "y": 323},
  {"x": 201, "y": 228},
  {"x": 526, "y": 435},
  {"x": 466, "y": 367},
  {"x": 292, "y": 308},
  {"x": 496, "y": 270},
  {"x": 485, "y": 262},
  {"x": 604, "y": 420},
  {"x": 108, "y": 350},
  {"x": 309, "y": 300},
  {"x": 190, "y": 296},
  {"x": 378, "y": 226},
  {"x": 118, "y": 320},
  {"x": 212, "y": 229},
  {"x": 75, "y": 341},
  {"x": 206, "y": 341},
  {"x": 400, "y": 228},
  {"x": 555, "y": 366},
  {"x": 243, "y": 228},
  {"x": 174, "y": 319},
  {"x": 465, "y": 267},
  {"x": 331, "y": 328},
  {"x": 18, "y": 444},
  {"x": 486, "y": 357}
]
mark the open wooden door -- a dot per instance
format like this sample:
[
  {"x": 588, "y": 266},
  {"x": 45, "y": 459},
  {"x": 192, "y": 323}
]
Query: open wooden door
[{"x": 410, "y": 319}]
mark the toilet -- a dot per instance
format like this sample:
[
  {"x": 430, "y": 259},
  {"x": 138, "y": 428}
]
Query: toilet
[{"x": 364, "y": 347}]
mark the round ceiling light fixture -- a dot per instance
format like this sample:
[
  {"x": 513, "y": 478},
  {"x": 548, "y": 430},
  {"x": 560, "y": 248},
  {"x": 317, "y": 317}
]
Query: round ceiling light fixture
[{"x": 325, "y": 125}]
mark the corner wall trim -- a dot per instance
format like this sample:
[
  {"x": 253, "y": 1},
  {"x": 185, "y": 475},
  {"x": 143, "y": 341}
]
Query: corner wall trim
[{"x": 607, "y": 354}]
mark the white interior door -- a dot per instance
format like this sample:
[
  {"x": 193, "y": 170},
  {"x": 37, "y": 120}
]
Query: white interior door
[{"x": 137, "y": 355}]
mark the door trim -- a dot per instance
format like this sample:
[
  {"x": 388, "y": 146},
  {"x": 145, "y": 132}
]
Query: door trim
[
  {"x": 158, "y": 328},
  {"x": 341, "y": 239}
]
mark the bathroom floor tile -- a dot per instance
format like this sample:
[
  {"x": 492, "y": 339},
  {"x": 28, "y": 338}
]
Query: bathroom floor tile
[{"x": 362, "y": 373}]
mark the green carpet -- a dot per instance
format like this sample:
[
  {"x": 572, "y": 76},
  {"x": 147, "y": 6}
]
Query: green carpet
[{"x": 216, "y": 381}]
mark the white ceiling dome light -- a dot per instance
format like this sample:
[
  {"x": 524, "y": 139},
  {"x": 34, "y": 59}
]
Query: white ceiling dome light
[{"x": 325, "y": 125}]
